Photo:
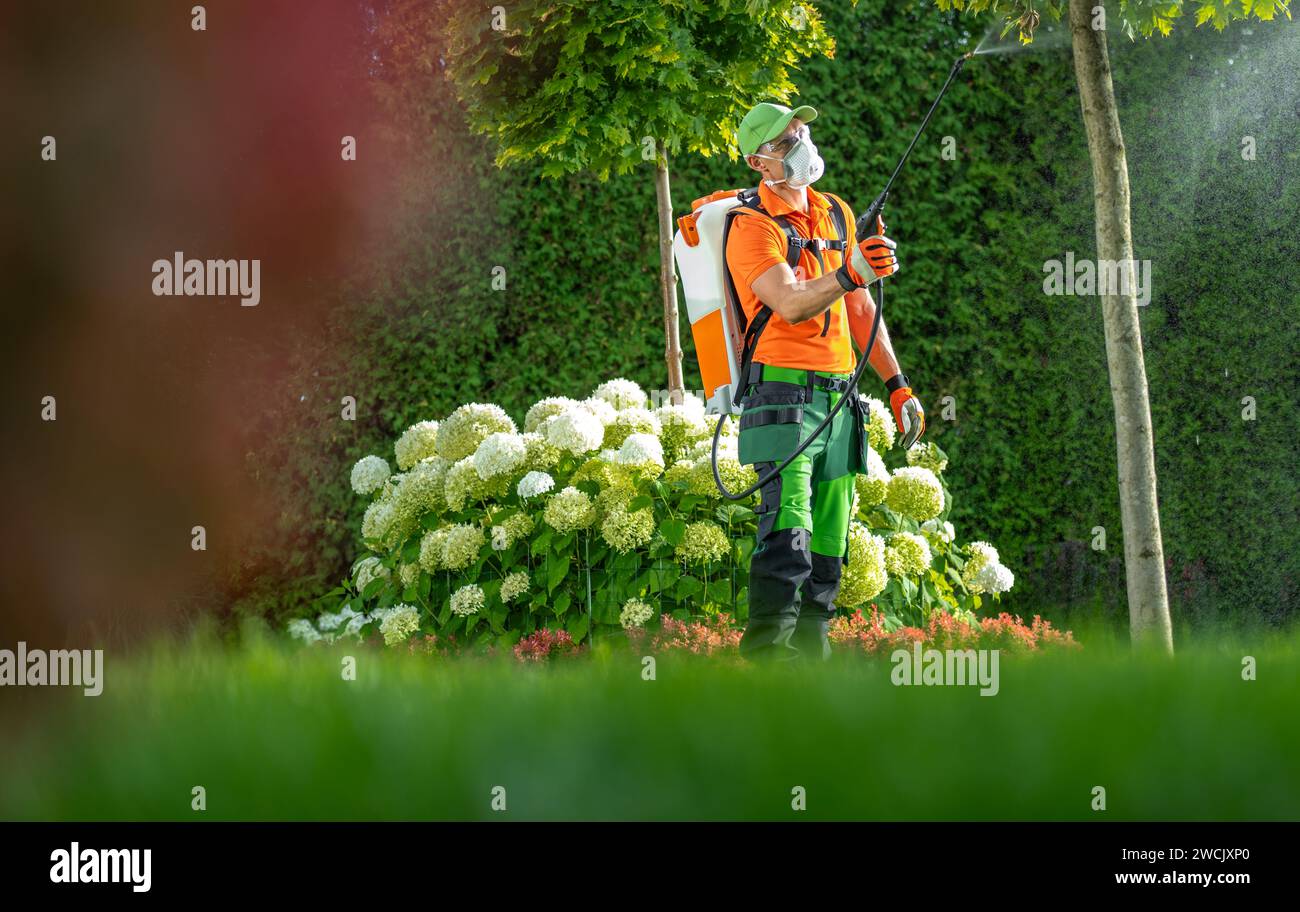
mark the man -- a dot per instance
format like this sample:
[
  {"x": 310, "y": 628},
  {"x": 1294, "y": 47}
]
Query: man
[{"x": 801, "y": 364}]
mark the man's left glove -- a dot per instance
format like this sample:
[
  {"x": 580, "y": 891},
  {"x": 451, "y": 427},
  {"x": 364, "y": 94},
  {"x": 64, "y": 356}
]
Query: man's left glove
[{"x": 908, "y": 413}]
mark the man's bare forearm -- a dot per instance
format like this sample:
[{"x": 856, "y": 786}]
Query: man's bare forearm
[
  {"x": 805, "y": 300},
  {"x": 862, "y": 311}
]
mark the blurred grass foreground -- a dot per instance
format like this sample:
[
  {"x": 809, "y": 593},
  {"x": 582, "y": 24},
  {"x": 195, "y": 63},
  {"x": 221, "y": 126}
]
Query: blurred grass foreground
[{"x": 272, "y": 733}]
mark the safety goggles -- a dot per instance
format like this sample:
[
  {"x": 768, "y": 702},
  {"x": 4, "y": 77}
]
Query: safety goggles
[{"x": 782, "y": 147}]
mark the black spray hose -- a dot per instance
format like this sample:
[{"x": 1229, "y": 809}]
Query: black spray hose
[
  {"x": 866, "y": 222},
  {"x": 825, "y": 422}
]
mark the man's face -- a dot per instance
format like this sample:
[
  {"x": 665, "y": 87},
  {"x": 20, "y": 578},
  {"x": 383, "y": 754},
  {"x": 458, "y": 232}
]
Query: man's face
[{"x": 772, "y": 168}]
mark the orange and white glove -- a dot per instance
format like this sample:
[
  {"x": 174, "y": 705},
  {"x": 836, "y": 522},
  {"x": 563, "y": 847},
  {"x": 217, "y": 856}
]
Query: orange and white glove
[
  {"x": 872, "y": 259},
  {"x": 908, "y": 413}
]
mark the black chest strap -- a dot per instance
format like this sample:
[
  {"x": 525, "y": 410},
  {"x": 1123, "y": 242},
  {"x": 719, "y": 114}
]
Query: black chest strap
[{"x": 795, "y": 245}]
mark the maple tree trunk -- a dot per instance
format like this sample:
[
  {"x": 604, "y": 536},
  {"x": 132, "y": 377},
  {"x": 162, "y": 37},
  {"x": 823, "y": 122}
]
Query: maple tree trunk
[
  {"x": 668, "y": 277},
  {"x": 1144, "y": 562}
]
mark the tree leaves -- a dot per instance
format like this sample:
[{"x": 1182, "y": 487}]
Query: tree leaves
[{"x": 624, "y": 69}]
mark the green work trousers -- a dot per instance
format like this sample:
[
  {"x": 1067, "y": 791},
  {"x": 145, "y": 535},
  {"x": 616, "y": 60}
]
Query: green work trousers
[{"x": 804, "y": 512}]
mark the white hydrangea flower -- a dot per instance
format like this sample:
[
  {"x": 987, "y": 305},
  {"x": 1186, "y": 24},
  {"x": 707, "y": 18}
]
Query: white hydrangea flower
[
  {"x": 368, "y": 570},
  {"x": 399, "y": 623},
  {"x": 880, "y": 424},
  {"x": 865, "y": 575},
  {"x": 354, "y": 621},
  {"x": 547, "y": 408},
  {"x": 692, "y": 407},
  {"x": 540, "y": 455},
  {"x": 569, "y": 510},
  {"x": 630, "y": 421},
  {"x": 422, "y": 490},
  {"x": 534, "y": 484},
  {"x": 916, "y": 492},
  {"x": 621, "y": 393},
  {"x": 927, "y": 455},
  {"x": 377, "y": 522},
  {"x": 417, "y": 442},
  {"x": 635, "y": 613},
  {"x": 328, "y": 621},
  {"x": 995, "y": 578},
  {"x": 577, "y": 431},
  {"x": 302, "y": 629},
  {"x": 907, "y": 554},
  {"x": 499, "y": 454},
  {"x": 871, "y": 486},
  {"x": 461, "y": 546},
  {"x": 982, "y": 554},
  {"x": 464, "y": 429},
  {"x": 514, "y": 585},
  {"x": 370, "y": 473},
  {"x": 601, "y": 409},
  {"x": 641, "y": 450},
  {"x": 682, "y": 425},
  {"x": 467, "y": 600},
  {"x": 379, "y": 614},
  {"x": 500, "y": 538},
  {"x": 431, "y": 549},
  {"x": 461, "y": 484},
  {"x": 944, "y": 531}
]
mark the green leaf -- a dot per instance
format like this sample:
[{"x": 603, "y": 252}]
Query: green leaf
[
  {"x": 555, "y": 573},
  {"x": 561, "y": 604},
  {"x": 687, "y": 587},
  {"x": 734, "y": 513},
  {"x": 541, "y": 542},
  {"x": 673, "y": 530},
  {"x": 577, "y": 627},
  {"x": 719, "y": 592},
  {"x": 411, "y": 551},
  {"x": 662, "y": 580}
]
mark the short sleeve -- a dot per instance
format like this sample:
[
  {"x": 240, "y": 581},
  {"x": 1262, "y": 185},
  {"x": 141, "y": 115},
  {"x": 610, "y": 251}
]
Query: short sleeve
[{"x": 754, "y": 245}]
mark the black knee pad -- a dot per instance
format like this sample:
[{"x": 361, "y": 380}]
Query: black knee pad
[
  {"x": 826, "y": 568},
  {"x": 779, "y": 566}
]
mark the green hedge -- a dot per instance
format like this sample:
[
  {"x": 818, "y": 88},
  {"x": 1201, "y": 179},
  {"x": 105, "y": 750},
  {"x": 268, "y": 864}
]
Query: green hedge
[{"x": 1032, "y": 445}]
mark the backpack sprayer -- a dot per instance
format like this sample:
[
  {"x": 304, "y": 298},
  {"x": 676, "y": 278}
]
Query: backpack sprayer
[{"x": 715, "y": 326}]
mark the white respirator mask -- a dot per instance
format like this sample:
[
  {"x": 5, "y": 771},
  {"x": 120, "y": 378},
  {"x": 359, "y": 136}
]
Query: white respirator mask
[{"x": 803, "y": 164}]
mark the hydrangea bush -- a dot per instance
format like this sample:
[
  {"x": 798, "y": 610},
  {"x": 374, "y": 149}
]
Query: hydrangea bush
[{"x": 601, "y": 516}]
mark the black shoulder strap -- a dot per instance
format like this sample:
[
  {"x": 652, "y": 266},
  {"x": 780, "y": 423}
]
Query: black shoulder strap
[
  {"x": 841, "y": 230},
  {"x": 749, "y": 200},
  {"x": 751, "y": 331},
  {"x": 795, "y": 245}
]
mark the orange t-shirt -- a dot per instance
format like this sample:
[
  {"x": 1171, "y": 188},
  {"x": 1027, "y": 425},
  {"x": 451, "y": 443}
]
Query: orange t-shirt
[{"x": 755, "y": 245}]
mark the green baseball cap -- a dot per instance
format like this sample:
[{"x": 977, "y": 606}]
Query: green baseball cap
[{"x": 766, "y": 121}]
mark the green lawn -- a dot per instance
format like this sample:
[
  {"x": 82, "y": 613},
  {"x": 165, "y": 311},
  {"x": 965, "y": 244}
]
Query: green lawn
[{"x": 274, "y": 733}]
